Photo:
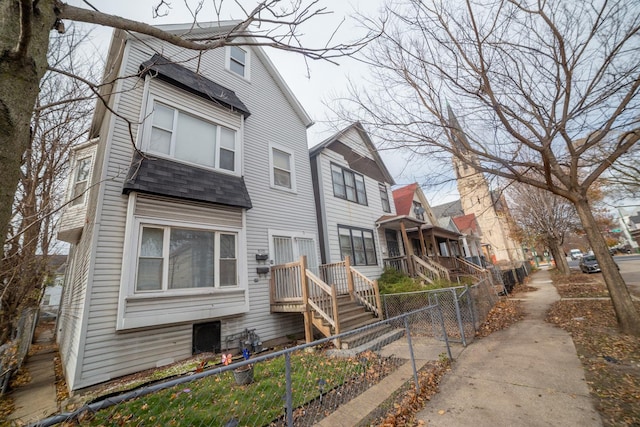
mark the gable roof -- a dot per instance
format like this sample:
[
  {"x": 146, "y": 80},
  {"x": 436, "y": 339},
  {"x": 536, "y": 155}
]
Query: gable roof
[
  {"x": 374, "y": 168},
  {"x": 403, "y": 198},
  {"x": 466, "y": 223},
  {"x": 448, "y": 209},
  {"x": 186, "y": 30},
  {"x": 192, "y": 82}
]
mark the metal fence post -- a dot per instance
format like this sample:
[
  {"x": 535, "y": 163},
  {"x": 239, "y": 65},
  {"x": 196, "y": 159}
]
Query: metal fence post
[
  {"x": 289, "y": 395},
  {"x": 460, "y": 325},
  {"x": 444, "y": 331},
  {"x": 413, "y": 359},
  {"x": 471, "y": 307}
]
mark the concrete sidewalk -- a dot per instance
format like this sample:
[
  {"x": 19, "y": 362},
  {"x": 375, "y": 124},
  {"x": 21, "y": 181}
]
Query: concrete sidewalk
[
  {"x": 526, "y": 375},
  {"x": 37, "y": 399}
]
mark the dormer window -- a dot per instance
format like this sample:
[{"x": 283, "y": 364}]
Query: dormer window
[{"x": 189, "y": 138}]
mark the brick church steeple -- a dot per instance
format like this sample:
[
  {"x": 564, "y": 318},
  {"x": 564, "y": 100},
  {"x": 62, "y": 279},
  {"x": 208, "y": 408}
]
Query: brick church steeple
[{"x": 476, "y": 197}]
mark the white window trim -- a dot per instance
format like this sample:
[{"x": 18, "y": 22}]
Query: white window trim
[
  {"x": 166, "y": 247},
  {"x": 292, "y": 234},
  {"x": 139, "y": 222},
  {"x": 216, "y": 296},
  {"x": 293, "y": 168},
  {"x": 148, "y": 124},
  {"x": 74, "y": 174},
  {"x": 247, "y": 62}
]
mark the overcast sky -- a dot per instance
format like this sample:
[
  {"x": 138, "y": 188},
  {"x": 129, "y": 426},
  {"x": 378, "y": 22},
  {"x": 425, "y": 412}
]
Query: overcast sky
[{"x": 314, "y": 87}]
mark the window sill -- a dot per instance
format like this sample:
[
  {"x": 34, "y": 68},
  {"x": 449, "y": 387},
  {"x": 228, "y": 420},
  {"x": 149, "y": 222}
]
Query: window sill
[
  {"x": 285, "y": 189},
  {"x": 184, "y": 293}
]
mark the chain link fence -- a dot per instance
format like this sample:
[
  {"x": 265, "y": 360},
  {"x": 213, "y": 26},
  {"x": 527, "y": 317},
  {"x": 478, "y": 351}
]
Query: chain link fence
[
  {"x": 13, "y": 352},
  {"x": 300, "y": 386},
  {"x": 464, "y": 308}
]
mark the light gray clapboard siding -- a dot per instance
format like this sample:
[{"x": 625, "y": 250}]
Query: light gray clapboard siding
[
  {"x": 352, "y": 139},
  {"x": 272, "y": 120},
  {"x": 162, "y": 207},
  {"x": 338, "y": 211}
]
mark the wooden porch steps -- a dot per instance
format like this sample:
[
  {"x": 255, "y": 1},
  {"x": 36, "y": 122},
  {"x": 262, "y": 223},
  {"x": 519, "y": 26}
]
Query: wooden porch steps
[
  {"x": 373, "y": 339},
  {"x": 351, "y": 316}
]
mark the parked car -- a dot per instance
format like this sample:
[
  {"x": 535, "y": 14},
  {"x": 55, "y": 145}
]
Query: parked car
[
  {"x": 589, "y": 264},
  {"x": 575, "y": 253}
]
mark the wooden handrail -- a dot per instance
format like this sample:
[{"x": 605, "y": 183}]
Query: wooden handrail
[
  {"x": 370, "y": 296},
  {"x": 330, "y": 292},
  {"x": 433, "y": 267}
]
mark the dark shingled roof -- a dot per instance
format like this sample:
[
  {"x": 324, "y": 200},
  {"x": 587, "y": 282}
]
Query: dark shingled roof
[
  {"x": 192, "y": 82},
  {"x": 153, "y": 175}
]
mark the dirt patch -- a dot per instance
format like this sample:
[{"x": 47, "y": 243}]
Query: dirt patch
[{"x": 580, "y": 285}]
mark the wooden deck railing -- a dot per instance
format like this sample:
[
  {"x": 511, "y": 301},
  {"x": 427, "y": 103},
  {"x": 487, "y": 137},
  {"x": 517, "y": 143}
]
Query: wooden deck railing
[
  {"x": 335, "y": 273},
  {"x": 366, "y": 292},
  {"x": 293, "y": 287},
  {"x": 323, "y": 299},
  {"x": 430, "y": 270},
  {"x": 286, "y": 283},
  {"x": 472, "y": 269},
  {"x": 398, "y": 263}
]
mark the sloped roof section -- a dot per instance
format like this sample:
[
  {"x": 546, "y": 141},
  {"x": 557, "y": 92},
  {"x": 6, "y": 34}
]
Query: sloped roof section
[
  {"x": 163, "y": 177},
  {"x": 192, "y": 82},
  {"x": 375, "y": 168},
  {"x": 403, "y": 198},
  {"x": 448, "y": 209},
  {"x": 466, "y": 223}
]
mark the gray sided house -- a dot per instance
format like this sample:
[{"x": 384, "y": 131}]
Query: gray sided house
[
  {"x": 352, "y": 187},
  {"x": 195, "y": 186}
]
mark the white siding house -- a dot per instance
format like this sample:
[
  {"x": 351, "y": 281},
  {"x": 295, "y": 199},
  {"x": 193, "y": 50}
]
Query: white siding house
[
  {"x": 352, "y": 187},
  {"x": 202, "y": 173}
]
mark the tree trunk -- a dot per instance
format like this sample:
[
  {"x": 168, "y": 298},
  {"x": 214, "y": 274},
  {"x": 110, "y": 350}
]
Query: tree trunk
[
  {"x": 24, "y": 41},
  {"x": 628, "y": 317},
  {"x": 558, "y": 256}
]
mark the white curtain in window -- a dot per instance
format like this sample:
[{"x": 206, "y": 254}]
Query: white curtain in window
[{"x": 195, "y": 141}]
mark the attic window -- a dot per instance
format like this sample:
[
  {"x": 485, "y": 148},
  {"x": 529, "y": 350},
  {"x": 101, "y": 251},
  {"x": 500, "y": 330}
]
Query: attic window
[{"x": 237, "y": 60}]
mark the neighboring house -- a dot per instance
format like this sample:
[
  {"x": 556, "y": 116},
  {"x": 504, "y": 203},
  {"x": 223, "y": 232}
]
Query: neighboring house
[
  {"x": 434, "y": 240},
  {"x": 489, "y": 207},
  {"x": 352, "y": 187},
  {"x": 53, "y": 287},
  {"x": 199, "y": 181},
  {"x": 471, "y": 237}
]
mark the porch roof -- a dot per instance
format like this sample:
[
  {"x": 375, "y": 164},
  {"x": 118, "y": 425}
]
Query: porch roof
[{"x": 412, "y": 224}]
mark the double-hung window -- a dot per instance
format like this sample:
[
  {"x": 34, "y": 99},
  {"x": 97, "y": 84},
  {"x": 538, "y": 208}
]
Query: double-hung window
[
  {"x": 358, "y": 244},
  {"x": 186, "y": 137},
  {"x": 181, "y": 258},
  {"x": 282, "y": 168},
  {"x": 238, "y": 60},
  {"x": 348, "y": 185},
  {"x": 384, "y": 197},
  {"x": 81, "y": 182}
]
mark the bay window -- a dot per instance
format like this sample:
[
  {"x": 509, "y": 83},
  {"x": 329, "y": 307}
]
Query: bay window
[
  {"x": 189, "y": 138},
  {"x": 183, "y": 258}
]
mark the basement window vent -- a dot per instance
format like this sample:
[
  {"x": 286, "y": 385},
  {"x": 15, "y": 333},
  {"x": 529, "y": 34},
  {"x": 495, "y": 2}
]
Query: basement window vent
[{"x": 206, "y": 338}]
